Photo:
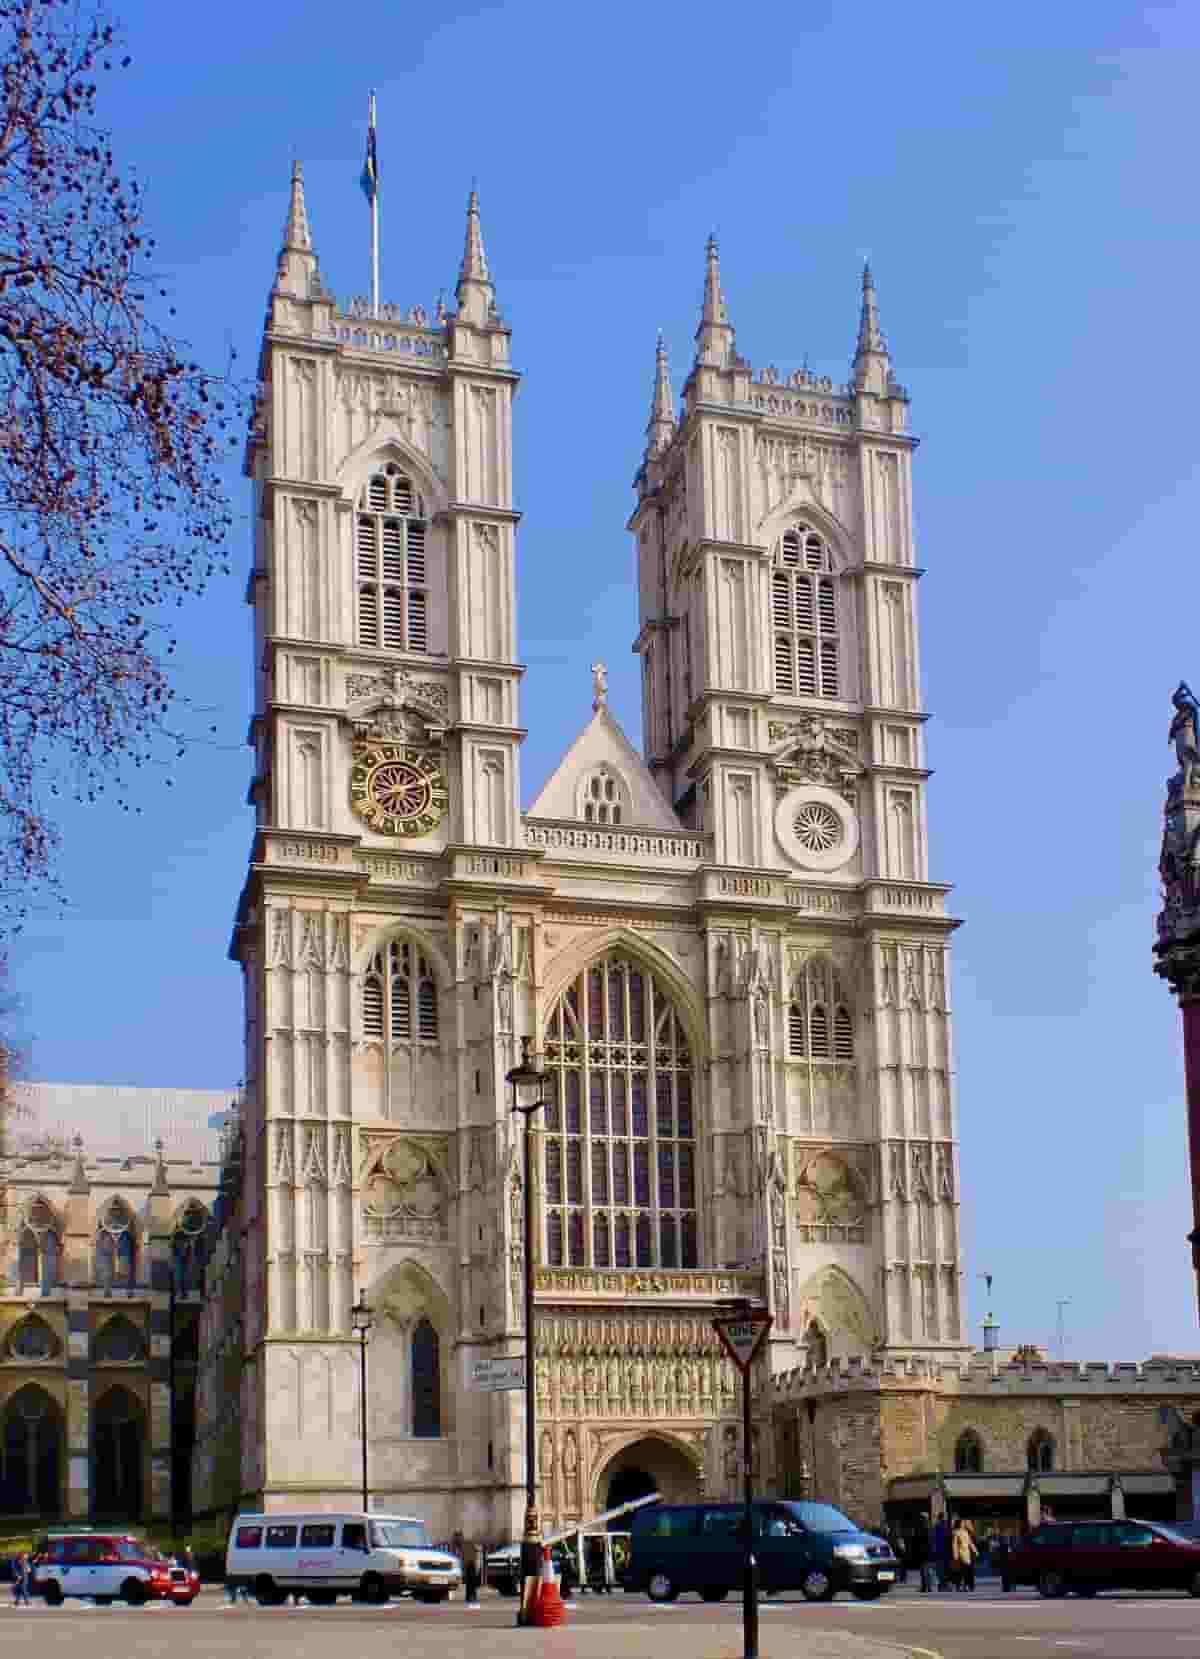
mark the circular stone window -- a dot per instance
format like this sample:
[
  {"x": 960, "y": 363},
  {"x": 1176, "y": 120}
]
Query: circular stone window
[{"x": 816, "y": 828}]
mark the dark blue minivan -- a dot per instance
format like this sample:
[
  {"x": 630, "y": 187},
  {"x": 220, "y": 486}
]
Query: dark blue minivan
[{"x": 810, "y": 1547}]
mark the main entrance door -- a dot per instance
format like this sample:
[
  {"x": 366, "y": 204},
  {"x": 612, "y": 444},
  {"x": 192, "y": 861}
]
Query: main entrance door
[{"x": 648, "y": 1465}]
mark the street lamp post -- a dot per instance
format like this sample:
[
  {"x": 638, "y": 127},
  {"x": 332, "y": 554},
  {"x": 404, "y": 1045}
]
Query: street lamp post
[
  {"x": 527, "y": 1075},
  {"x": 363, "y": 1318}
]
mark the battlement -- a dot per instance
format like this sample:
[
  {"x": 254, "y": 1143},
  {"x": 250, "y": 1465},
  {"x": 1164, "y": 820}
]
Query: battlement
[{"x": 979, "y": 1374}]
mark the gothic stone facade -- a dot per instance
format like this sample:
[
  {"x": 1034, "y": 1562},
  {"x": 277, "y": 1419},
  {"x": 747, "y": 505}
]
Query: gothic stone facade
[
  {"x": 728, "y": 953},
  {"x": 107, "y": 1199}
]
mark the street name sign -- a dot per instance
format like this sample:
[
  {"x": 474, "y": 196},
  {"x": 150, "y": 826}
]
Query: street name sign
[
  {"x": 742, "y": 1336},
  {"x": 492, "y": 1375}
]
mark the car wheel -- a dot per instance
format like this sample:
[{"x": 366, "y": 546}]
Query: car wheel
[
  {"x": 816, "y": 1585},
  {"x": 53, "y": 1594},
  {"x": 714, "y": 1592},
  {"x": 133, "y": 1593},
  {"x": 1194, "y": 1585},
  {"x": 1051, "y": 1583},
  {"x": 866, "y": 1592},
  {"x": 373, "y": 1590},
  {"x": 661, "y": 1587}
]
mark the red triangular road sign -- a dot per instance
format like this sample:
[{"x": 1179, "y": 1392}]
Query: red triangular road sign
[{"x": 742, "y": 1337}]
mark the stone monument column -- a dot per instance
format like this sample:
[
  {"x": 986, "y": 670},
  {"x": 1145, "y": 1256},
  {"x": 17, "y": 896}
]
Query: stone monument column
[{"x": 1177, "y": 950}]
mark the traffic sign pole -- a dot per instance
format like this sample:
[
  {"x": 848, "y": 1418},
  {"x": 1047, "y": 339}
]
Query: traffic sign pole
[{"x": 741, "y": 1336}]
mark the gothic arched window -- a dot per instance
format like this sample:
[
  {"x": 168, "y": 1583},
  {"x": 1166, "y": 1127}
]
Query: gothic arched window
[
  {"x": 31, "y": 1338},
  {"x": 389, "y": 564},
  {"x": 968, "y": 1454},
  {"x": 426, "y": 1382},
  {"x": 619, "y": 1138},
  {"x": 1039, "y": 1454},
  {"x": 118, "y": 1341},
  {"x": 399, "y": 995},
  {"x": 189, "y": 1249},
  {"x": 804, "y": 617},
  {"x": 39, "y": 1247},
  {"x": 820, "y": 1023},
  {"x": 116, "y": 1246}
]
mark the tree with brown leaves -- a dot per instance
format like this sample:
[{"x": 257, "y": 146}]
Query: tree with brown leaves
[{"x": 113, "y": 506}]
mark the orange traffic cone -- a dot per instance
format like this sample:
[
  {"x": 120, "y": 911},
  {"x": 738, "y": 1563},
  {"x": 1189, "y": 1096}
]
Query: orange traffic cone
[{"x": 551, "y": 1609}]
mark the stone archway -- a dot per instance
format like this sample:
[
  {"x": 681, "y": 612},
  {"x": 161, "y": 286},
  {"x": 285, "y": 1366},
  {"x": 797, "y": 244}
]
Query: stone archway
[{"x": 650, "y": 1464}]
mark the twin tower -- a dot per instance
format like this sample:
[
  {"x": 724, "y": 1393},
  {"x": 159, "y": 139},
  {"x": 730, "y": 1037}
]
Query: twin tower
[{"x": 725, "y": 949}]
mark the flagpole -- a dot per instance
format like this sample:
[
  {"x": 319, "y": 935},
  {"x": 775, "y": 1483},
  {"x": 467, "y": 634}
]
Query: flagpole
[{"x": 374, "y": 231}]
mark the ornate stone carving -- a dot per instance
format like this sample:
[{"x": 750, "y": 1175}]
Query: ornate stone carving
[
  {"x": 404, "y": 1195},
  {"x": 828, "y": 1202},
  {"x": 814, "y": 750}
]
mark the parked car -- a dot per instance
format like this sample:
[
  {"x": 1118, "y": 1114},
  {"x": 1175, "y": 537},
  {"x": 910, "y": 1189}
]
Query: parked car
[
  {"x": 321, "y": 1556},
  {"x": 502, "y": 1569},
  {"x": 1088, "y": 1556},
  {"x": 101, "y": 1566},
  {"x": 810, "y": 1547}
]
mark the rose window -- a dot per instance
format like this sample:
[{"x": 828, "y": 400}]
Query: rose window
[{"x": 817, "y": 827}]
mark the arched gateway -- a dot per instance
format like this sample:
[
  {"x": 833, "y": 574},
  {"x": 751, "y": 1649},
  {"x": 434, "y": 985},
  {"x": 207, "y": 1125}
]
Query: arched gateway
[{"x": 651, "y": 1464}]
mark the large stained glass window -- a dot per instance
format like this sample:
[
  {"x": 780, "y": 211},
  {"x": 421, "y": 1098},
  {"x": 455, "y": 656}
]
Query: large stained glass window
[{"x": 620, "y": 1134}]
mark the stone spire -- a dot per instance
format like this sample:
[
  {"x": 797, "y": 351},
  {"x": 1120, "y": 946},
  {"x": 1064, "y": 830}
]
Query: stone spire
[
  {"x": 297, "y": 261},
  {"x": 476, "y": 296},
  {"x": 714, "y": 337},
  {"x": 872, "y": 368},
  {"x": 660, "y": 428}
]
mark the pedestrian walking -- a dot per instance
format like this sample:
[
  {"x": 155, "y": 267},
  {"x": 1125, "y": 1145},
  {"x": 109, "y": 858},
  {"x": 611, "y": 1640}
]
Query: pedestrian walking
[
  {"x": 940, "y": 1551},
  {"x": 921, "y": 1555},
  {"x": 21, "y": 1576},
  {"x": 964, "y": 1553},
  {"x": 470, "y": 1563}
]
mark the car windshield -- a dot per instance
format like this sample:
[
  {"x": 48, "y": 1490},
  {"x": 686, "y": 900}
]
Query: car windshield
[
  {"x": 821, "y": 1517},
  {"x": 399, "y": 1535}
]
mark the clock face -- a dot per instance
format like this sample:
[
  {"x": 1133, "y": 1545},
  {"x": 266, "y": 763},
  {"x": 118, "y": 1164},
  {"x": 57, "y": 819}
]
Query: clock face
[{"x": 398, "y": 790}]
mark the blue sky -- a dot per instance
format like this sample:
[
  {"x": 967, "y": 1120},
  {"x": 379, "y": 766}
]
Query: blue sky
[{"x": 1023, "y": 183}]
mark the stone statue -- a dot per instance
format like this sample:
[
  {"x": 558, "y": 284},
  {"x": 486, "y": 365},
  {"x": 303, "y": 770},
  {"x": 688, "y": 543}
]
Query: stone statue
[
  {"x": 599, "y": 685},
  {"x": 1185, "y": 733}
]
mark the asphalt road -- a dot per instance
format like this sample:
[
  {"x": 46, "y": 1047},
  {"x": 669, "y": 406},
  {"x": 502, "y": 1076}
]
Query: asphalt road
[{"x": 987, "y": 1625}]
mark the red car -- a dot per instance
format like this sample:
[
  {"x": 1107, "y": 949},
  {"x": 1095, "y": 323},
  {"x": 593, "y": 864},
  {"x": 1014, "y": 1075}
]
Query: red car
[
  {"x": 1087, "y": 1556},
  {"x": 185, "y": 1584},
  {"x": 98, "y": 1566}
]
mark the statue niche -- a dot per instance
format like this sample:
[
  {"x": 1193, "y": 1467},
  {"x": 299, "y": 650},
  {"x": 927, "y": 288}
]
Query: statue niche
[{"x": 404, "y": 1196}]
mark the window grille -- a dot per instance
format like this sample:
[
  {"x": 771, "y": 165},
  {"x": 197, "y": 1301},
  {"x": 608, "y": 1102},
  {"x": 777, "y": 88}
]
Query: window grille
[
  {"x": 390, "y": 564},
  {"x": 398, "y": 980},
  {"x": 116, "y": 1247},
  {"x": 1040, "y": 1452},
  {"x": 968, "y": 1454},
  {"x": 619, "y": 1161},
  {"x": 820, "y": 1021},
  {"x": 32, "y": 1339},
  {"x": 39, "y": 1247},
  {"x": 804, "y": 613},
  {"x": 601, "y": 798}
]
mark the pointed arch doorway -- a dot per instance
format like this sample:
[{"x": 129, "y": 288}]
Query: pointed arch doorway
[
  {"x": 119, "y": 1440},
  {"x": 651, "y": 1464}
]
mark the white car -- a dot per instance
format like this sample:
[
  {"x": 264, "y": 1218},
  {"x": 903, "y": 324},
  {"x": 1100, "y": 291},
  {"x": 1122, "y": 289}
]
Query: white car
[
  {"x": 102, "y": 1566},
  {"x": 322, "y": 1555}
]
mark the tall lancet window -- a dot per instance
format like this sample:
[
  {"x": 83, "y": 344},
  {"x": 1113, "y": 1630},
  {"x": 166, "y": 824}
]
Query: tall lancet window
[
  {"x": 400, "y": 996},
  {"x": 620, "y": 1134},
  {"x": 805, "y": 605},
  {"x": 389, "y": 564}
]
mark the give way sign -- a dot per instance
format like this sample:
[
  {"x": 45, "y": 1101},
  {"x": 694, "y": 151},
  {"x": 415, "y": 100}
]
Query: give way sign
[{"x": 742, "y": 1336}]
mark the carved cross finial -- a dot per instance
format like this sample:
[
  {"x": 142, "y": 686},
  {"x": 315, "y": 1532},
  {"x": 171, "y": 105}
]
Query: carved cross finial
[{"x": 599, "y": 685}]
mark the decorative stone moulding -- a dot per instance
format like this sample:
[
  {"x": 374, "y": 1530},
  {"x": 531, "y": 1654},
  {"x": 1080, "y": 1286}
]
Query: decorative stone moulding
[{"x": 816, "y": 828}]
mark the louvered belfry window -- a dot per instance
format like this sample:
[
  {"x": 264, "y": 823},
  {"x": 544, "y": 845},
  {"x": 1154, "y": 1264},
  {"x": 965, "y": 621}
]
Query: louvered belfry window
[
  {"x": 620, "y": 1133},
  {"x": 389, "y": 564},
  {"x": 820, "y": 1021},
  {"x": 804, "y": 617},
  {"x": 400, "y": 995}
]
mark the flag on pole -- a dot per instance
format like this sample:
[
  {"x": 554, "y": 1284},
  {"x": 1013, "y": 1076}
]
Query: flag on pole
[{"x": 370, "y": 173}]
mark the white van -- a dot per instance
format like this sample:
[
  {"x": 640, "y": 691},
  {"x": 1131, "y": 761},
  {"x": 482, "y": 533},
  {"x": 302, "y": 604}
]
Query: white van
[{"x": 322, "y": 1556}]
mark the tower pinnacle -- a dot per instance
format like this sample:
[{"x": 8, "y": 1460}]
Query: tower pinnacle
[
  {"x": 297, "y": 261},
  {"x": 872, "y": 365},
  {"x": 714, "y": 337},
  {"x": 476, "y": 295},
  {"x": 660, "y": 428}
]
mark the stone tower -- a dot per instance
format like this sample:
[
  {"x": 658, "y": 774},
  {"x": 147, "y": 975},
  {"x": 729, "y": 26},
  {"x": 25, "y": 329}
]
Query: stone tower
[
  {"x": 783, "y": 719},
  {"x": 727, "y": 953}
]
